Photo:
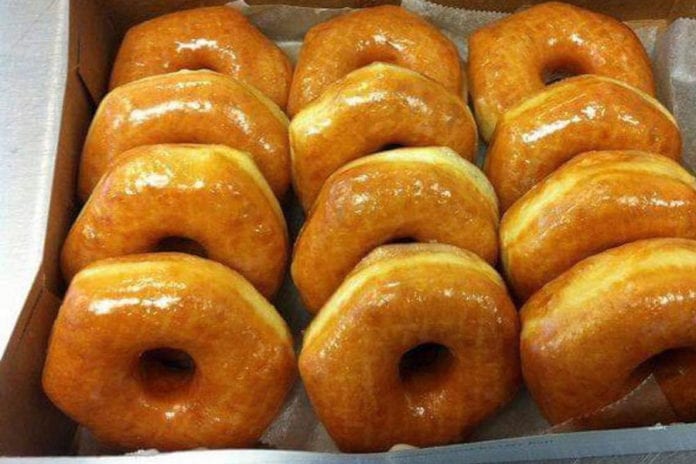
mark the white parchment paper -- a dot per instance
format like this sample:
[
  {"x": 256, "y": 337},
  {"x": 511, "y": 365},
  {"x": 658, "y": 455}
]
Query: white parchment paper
[{"x": 675, "y": 67}]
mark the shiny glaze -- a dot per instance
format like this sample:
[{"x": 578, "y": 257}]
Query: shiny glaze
[
  {"x": 576, "y": 115},
  {"x": 596, "y": 201},
  {"x": 187, "y": 107},
  {"x": 384, "y": 33},
  {"x": 216, "y": 38},
  {"x": 208, "y": 193},
  {"x": 510, "y": 58},
  {"x": 586, "y": 334},
  {"x": 401, "y": 297},
  {"x": 370, "y": 108},
  {"x": 117, "y": 309},
  {"x": 425, "y": 194}
]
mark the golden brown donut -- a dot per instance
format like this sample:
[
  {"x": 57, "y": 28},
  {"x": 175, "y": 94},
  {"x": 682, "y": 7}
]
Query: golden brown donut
[
  {"x": 370, "y": 108},
  {"x": 187, "y": 107},
  {"x": 425, "y": 194},
  {"x": 168, "y": 351},
  {"x": 216, "y": 38},
  {"x": 588, "y": 335},
  {"x": 510, "y": 59},
  {"x": 576, "y": 115},
  {"x": 596, "y": 201},
  {"x": 211, "y": 194},
  {"x": 417, "y": 346},
  {"x": 384, "y": 33}
]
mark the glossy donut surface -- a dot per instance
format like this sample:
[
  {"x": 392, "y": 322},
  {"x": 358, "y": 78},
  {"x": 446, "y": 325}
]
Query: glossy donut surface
[
  {"x": 575, "y": 115},
  {"x": 187, "y": 107},
  {"x": 217, "y": 38},
  {"x": 427, "y": 194},
  {"x": 510, "y": 59},
  {"x": 589, "y": 334},
  {"x": 401, "y": 298},
  {"x": 373, "y": 107},
  {"x": 384, "y": 33},
  {"x": 119, "y": 313},
  {"x": 210, "y": 194},
  {"x": 596, "y": 201}
]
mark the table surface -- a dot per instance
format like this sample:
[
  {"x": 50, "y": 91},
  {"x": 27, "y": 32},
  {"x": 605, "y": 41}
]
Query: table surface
[{"x": 33, "y": 51}]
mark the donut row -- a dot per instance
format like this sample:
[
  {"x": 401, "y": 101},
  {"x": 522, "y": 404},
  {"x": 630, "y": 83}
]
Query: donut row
[
  {"x": 596, "y": 238},
  {"x": 412, "y": 343},
  {"x": 159, "y": 349}
]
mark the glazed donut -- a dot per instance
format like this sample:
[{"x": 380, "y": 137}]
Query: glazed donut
[
  {"x": 510, "y": 59},
  {"x": 586, "y": 336},
  {"x": 417, "y": 346},
  {"x": 211, "y": 194},
  {"x": 576, "y": 115},
  {"x": 596, "y": 201},
  {"x": 216, "y": 38},
  {"x": 371, "y": 108},
  {"x": 168, "y": 351},
  {"x": 427, "y": 194},
  {"x": 385, "y": 33},
  {"x": 187, "y": 107}
]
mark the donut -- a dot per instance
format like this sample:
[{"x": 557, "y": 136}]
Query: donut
[
  {"x": 217, "y": 38},
  {"x": 385, "y": 33},
  {"x": 424, "y": 194},
  {"x": 580, "y": 114},
  {"x": 370, "y": 108},
  {"x": 168, "y": 351},
  {"x": 588, "y": 335},
  {"x": 417, "y": 346},
  {"x": 210, "y": 194},
  {"x": 510, "y": 59},
  {"x": 187, "y": 107},
  {"x": 596, "y": 201}
]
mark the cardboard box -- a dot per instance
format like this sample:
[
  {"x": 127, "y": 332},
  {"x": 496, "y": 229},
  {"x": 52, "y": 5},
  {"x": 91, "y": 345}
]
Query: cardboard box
[{"x": 30, "y": 425}]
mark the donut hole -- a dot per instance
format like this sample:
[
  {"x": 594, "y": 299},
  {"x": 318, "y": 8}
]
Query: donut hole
[
  {"x": 181, "y": 245},
  {"x": 553, "y": 76},
  {"x": 654, "y": 363},
  {"x": 376, "y": 54},
  {"x": 198, "y": 62},
  {"x": 423, "y": 366},
  {"x": 663, "y": 365},
  {"x": 402, "y": 240},
  {"x": 557, "y": 71},
  {"x": 164, "y": 371},
  {"x": 391, "y": 146}
]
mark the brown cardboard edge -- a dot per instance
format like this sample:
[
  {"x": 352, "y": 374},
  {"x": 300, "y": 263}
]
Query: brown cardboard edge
[
  {"x": 29, "y": 423},
  {"x": 95, "y": 32},
  {"x": 78, "y": 107},
  {"x": 683, "y": 9},
  {"x": 122, "y": 14}
]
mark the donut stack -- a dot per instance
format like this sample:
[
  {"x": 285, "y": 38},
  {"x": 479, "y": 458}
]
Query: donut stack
[
  {"x": 598, "y": 211},
  {"x": 413, "y": 343},
  {"x": 157, "y": 349}
]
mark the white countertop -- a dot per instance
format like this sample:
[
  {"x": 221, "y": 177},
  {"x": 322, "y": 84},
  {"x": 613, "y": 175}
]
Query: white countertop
[{"x": 33, "y": 61}]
